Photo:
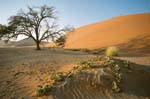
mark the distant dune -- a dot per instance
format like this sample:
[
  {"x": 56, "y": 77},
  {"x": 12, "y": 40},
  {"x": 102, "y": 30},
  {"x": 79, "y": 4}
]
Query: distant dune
[
  {"x": 22, "y": 43},
  {"x": 116, "y": 31},
  {"x": 10, "y": 43},
  {"x": 28, "y": 42},
  {"x": 25, "y": 42}
]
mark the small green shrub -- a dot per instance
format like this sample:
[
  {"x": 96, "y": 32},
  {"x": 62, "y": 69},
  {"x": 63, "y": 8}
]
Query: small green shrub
[
  {"x": 70, "y": 74},
  {"x": 85, "y": 64},
  {"x": 43, "y": 90},
  {"x": 58, "y": 76},
  {"x": 76, "y": 70},
  {"x": 115, "y": 87},
  {"x": 40, "y": 90},
  {"x": 126, "y": 63},
  {"x": 61, "y": 41},
  {"x": 111, "y": 51}
]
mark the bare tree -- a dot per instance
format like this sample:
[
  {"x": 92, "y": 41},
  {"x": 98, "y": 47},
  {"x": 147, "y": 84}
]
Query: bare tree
[{"x": 38, "y": 23}]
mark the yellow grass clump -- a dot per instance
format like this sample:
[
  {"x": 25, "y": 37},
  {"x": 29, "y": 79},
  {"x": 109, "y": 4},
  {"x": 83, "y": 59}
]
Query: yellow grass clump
[{"x": 112, "y": 51}]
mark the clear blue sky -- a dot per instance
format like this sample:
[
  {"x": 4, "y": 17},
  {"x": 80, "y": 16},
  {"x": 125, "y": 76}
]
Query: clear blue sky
[{"x": 78, "y": 12}]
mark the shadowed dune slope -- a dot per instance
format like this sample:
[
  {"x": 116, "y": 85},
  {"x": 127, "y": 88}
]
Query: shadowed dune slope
[
  {"x": 138, "y": 44},
  {"x": 115, "y": 31}
]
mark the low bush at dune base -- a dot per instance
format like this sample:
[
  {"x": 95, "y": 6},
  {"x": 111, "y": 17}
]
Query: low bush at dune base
[{"x": 112, "y": 51}]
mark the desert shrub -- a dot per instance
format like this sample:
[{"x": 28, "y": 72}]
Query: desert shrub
[
  {"x": 115, "y": 87},
  {"x": 85, "y": 64},
  {"x": 46, "y": 88},
  {"x": 126, "y": 63},
  {"x": 61, "y": 41},
  {"x": 40, "y": 90},
  {"x": 127, "y": 66},
  {"x": 60, "y": 76},
  {"x": 112, "y": 51},
  {"x": 73, "y": 72},
  {"x": 76, "y": 70},
  {"x": 43, "y": 90}
]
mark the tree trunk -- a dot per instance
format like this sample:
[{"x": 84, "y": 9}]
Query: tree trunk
[{"x": 38, "y": 45}]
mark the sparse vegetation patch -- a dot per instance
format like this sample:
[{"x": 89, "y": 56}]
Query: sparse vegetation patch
[{"x": 106, "y": 63}]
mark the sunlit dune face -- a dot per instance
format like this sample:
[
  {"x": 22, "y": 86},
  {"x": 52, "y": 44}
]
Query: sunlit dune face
[{"x": 114, "y": 31}]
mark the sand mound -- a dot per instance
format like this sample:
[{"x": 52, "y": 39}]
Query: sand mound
[
  {"x": 115, "y": 31},
  {"x": 104, "y": 78}
]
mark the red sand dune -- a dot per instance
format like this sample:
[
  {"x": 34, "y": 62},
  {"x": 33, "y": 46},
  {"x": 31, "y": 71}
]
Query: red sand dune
[{"x": 118, "y": 30}]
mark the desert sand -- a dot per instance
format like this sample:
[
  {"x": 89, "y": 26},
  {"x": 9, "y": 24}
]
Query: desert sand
[
  {"x": 118, "y": 30},
  {"x": 23, "y": 69}
]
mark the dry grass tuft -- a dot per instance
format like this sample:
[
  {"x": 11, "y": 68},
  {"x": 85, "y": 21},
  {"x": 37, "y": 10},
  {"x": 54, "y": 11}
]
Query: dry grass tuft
[{"x": 112, "y": 51}]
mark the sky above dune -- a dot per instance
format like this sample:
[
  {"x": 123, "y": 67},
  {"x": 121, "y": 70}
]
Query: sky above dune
[{"x": 78, "y": 12}]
